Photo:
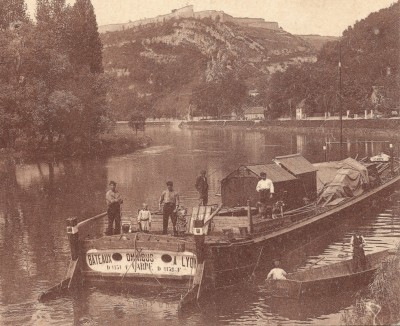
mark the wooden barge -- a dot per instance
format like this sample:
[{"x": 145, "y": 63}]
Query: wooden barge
[{"x": 222, "y": 246}]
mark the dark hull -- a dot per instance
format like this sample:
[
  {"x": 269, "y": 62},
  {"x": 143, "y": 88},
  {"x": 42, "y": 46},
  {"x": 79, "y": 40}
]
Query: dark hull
[
  {"x": 233, "y": 261},
  {"x": 327, "y": 280}
]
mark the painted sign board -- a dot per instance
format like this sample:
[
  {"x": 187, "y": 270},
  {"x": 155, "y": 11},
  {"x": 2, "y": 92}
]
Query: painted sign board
[{"x": 141, "y": 261}]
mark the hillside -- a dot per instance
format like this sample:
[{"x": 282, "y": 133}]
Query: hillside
[
  {"x": 157, "y": 66},
  {"x": 369, "y": 53},
  {"x": 318, "y": 41}
]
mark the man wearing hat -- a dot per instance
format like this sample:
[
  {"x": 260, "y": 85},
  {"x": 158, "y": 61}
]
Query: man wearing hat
[
  {"x": 202, "y": 187},
  {"x": 114, "y": 202},
  {"x": 265, "y": 188},
  {"x": 169, "y": 201}
]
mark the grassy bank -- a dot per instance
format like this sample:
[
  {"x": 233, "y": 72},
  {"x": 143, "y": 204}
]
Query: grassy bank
[
  {"x": 361, "y": 127},
  {"x": 381, "y": 304},
  {"x": 115, "y": 142}
]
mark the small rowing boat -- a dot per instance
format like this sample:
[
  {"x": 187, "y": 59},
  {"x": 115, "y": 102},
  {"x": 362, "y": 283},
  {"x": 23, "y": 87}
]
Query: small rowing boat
[{"x": 328, "y": 279}]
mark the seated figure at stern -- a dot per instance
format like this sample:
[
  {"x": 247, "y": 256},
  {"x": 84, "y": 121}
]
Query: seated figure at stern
[
  {"x": 277, "y": 273},
  {"x": 144, "y": 219}
]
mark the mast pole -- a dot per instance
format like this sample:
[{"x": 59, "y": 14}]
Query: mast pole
[{"x": 340, "y": 99}]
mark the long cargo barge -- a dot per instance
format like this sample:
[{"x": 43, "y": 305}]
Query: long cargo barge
[{"x": 223, "y": 244}]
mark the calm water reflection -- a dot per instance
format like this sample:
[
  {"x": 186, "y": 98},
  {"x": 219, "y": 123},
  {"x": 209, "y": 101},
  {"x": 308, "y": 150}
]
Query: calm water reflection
[{"x": 35, "y": 200}]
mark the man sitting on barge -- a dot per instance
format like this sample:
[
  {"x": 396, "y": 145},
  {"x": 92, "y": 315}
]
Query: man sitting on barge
[
  {"x": 277, "y": 273},
  {"x": 169, "y": 201}
]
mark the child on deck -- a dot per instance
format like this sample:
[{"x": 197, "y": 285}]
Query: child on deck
[{"x": 144, "y": 219}]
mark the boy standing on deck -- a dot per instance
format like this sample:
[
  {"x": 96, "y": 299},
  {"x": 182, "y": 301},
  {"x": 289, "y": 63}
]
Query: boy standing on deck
[
  {"x": 144, "y": 219},
  {"x": 114, "y": 202}
]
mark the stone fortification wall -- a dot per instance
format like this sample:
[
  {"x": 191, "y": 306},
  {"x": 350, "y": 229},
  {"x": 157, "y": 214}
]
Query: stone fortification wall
[
  {"x": 214, "y": 15},
  {"x": 188, "y": 12},
  {"x": 267, "y": 25},
  {"x": 255, "y": 22}
]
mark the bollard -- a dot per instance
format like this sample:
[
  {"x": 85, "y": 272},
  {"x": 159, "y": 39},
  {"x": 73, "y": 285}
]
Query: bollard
[
  {"x": 199, "y": 238},
  {"x": 73, "y": 237},
  {"x": 249, "y": 217}
]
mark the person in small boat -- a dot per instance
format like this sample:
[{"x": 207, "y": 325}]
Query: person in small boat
[
  {"x": 359, "y": 260},
  {"x": 202, "y": 187},
  {"x": 169, "y": 202},
  {"x": 277, "y": 273},
  {"x": 114, "y": 202},
  {"x": 265, "y": 188},
  {"x": 144, "y": 219}
]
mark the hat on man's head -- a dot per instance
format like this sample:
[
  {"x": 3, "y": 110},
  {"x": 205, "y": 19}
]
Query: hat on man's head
[
  {"x": 112, "y": 183},
  {"x": 263, "y": 174},
  {"x": 203, "y": 172},
  {"x": 170, "y": 183}
]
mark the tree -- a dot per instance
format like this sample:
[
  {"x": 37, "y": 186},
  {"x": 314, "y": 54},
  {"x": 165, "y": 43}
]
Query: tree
[
  {"x": 137, "y": 121},
  {"x": 84, "y": 40},
  {"x": 216, "y": 98},
  {"x": 12, "y": 11}
]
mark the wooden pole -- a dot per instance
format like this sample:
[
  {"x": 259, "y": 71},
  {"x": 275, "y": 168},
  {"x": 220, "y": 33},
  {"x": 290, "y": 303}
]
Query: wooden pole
[
  {"x": 249, "y": 217},
  {"x": 73, "y": 237},
  {"x": 340, "y": 99},
  {"x": 391, "y": 159}
]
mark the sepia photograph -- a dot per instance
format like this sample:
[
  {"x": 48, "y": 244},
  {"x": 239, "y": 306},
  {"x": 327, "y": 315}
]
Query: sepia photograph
[{"x": 214, "y": 162}]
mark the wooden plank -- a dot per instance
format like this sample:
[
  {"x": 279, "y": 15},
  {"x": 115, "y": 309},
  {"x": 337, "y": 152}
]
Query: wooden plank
[
  {"x": 72, "y": 273},
  {"x": 201, "y": 214}
]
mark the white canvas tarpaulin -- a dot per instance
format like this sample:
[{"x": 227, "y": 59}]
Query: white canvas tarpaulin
[{"x": 340, "y": 180}]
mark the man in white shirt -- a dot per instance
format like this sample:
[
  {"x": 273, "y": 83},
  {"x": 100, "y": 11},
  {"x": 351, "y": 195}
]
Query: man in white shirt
[
  {"x": 265, "y": 188},
  {"x": 114, "y": 202},
  {"x": 277, "y": 273}
]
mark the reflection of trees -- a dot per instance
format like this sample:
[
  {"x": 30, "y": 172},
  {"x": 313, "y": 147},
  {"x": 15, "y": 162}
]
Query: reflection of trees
[{"x": 33, "y": 237}]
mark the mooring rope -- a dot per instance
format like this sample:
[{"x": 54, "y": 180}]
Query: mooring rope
[{"x": 134, "y": 262}]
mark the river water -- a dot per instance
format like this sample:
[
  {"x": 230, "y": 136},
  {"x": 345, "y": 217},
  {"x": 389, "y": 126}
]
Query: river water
[{"x": 37, "y": 198}]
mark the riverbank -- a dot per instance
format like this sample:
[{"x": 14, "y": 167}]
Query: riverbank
[
  {"x": 116, "y": 142},
  {"x": 381, "y": 304},
  {"x": 360, "y": 127}
]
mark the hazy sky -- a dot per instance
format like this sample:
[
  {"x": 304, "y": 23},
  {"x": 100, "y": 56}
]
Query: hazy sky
[{"x": 324, "y": 17}]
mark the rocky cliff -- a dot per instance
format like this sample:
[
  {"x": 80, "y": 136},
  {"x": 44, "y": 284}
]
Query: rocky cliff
[{"x": 156, "y": 66}]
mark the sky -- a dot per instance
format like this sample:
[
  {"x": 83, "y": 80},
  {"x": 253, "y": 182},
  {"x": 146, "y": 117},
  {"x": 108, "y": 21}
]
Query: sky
[{"x": 323, "y": 17}]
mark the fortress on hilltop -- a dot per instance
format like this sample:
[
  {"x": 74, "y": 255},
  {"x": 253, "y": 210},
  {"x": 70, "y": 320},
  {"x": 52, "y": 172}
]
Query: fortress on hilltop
[{"x": 188, "y": 12}]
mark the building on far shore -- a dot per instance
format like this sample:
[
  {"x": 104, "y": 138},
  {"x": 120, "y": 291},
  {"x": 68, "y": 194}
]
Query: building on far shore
[{"x": 254, "y": 113}]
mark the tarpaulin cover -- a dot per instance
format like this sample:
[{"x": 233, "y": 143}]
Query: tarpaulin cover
[{"x": 339, "y": 180}]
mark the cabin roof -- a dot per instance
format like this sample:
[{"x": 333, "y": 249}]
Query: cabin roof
[
  {"x": 274, "y": 172},
  {"x": 296, "y": 164}
]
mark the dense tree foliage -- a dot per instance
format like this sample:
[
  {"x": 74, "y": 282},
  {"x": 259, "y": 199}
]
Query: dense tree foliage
[
  {"x": 369, "y": 57},
  {"x": 12, "y": 11},
  {"x": 219, "y": 97},
  {"x": 46, "y": 97}
]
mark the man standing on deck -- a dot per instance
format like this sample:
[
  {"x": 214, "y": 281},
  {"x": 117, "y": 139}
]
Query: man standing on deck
[
  {"x": 265, "y": 188},
  {"x": 202, "y": 187},
  {"x": 359, "y": 260},
  {"x": 114, "y": 202},
  {"x": 169, "y": 201}
]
